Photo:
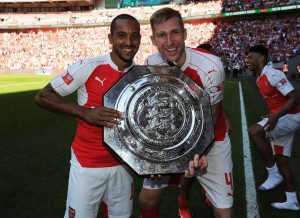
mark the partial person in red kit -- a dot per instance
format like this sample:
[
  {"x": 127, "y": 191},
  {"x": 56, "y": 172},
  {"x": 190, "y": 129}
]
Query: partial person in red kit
[
  {"x": 279, "y": 125},
  {"x": 206, "y": 69},
  {"x": 95, "y": 173}
]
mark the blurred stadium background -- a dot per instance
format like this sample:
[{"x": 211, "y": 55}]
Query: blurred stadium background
[{"x": 41, "y": 38}]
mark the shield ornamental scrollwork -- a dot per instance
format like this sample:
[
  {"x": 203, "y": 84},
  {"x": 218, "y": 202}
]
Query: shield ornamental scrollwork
[{"x": 167, "y": 120}]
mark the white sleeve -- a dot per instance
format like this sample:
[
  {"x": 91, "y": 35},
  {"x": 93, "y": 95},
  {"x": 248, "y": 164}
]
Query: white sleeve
[
  {"x": 213, "y": 83},
  {"x": 280, "y": 81},
  {"x": 74, "y": 77}
]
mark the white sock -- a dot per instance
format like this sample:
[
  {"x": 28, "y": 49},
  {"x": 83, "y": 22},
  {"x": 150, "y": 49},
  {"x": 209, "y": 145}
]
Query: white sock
[
  {"x": 286, "y": 205},
  {"x": 291, "y": 197},
  {"x": 290, "y": 204},
  {"x": 274, "y": 179}
]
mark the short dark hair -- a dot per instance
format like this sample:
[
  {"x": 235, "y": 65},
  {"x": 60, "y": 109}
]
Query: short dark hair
[
  {"x": 205, "y": 46},
  {"x": 261, "y": 49},
  {"x": 164, "y": 14},
  {"x": 121, "y": 17}
]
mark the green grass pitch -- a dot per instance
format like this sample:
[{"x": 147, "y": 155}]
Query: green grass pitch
[{"x": 35, "y": 154}]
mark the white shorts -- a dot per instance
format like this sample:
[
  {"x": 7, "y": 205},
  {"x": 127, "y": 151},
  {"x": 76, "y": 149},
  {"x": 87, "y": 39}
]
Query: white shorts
[
  {"x": 283, "y": 135},
  {"x": 157, "y": 183},
  {"x": 216, "y": 179},
  {"x": 88, "y": 186}
]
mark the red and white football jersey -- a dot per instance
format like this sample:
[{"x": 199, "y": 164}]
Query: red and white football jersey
[
  {"x": 91, "y": 78},
  {"x": 206, "y": 70},
  {"x": 274, "y": 86}
]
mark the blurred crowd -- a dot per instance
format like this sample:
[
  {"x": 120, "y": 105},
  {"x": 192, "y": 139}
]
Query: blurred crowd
[
  {"x": 241, "y": 5},
  {"x": 193, "y": 8},
  {"x": 281, "y": 36},
  {"x": 57, "y": 49},
  {"x": 105, "y": 15}
]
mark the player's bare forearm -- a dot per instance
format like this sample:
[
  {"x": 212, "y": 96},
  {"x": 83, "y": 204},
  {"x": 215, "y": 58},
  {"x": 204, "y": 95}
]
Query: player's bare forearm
[
  {"x": 228, "y": 124},
  {"x": 99, "y": 116},
  {"x": 215, "y": 111},
  {"x": 292, "y": 103},
  {"x": 48, "y": 99}
]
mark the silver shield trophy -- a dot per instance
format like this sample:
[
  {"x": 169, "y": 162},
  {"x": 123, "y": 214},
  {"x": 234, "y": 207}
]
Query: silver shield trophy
[{"x": 167, "y": 120}]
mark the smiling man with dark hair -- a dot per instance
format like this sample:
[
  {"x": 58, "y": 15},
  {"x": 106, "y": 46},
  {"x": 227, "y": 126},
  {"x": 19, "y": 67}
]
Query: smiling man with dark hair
[
  {"x": 279, "y": 126},
  {"x": 95, "y": 173}
]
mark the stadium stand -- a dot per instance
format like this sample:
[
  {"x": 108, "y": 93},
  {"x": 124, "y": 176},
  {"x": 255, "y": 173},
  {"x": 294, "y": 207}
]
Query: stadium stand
[
  {"x": 26, "y": 6},
  {"x": 51, "y": 41},
  {"x": 240, "y": 5}
]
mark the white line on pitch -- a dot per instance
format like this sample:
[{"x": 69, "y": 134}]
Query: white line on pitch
[
  {"x": 252, "y": 207},
  {"x": 20, "y": 84}
]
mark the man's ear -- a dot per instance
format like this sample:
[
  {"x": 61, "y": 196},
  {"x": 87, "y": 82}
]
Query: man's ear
[
  {"x": 153, "y": 40},
  {"x": 110, "y": 38},
  {"x": 262, "y": 58},
  {"x": 185, "y": 33}
]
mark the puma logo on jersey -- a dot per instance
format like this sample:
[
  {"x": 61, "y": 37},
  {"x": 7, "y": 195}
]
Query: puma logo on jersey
[
  {"x": 99, "y": 80},
  {"x": 212, "y": 71}
]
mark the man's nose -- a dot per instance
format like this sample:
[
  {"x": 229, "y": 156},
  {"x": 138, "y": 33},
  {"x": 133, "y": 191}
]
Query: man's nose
[
  {"x": 169, "y": 39},
  {"x": 128, "y": 40}
]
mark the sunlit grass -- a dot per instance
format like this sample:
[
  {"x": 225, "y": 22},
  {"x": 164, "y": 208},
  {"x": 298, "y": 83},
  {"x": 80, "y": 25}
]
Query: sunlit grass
[
  {"x": 12, "y": 83},
  {"x": 35, "y": 155}
]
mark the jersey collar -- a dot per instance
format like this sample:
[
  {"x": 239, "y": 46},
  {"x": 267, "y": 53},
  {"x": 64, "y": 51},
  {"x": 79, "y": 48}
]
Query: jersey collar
[{"x": 115, "y": 67}]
